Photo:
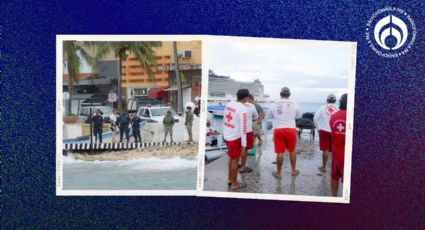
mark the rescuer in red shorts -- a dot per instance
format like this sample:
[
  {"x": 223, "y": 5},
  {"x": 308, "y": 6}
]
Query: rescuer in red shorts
[
  {"x": 234, "y": 133},
  {"x": 338, "y": 127},
  {"x": 321, "y": 122},
  {"x": 284, "y": 112}
]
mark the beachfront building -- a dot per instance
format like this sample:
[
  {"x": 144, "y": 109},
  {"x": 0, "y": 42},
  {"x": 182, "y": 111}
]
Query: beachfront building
[
  {"x": 92, "y": 88},
  {"x": 162, "y": 86},
  {"x": 226, "y": 87}
]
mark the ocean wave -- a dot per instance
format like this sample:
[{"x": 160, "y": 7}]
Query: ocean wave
[{"x": 152, "y": 163}]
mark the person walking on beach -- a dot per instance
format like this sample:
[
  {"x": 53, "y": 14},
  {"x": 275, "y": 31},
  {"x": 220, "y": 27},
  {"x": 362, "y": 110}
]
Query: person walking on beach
[
  {"x": 338, "y": 129},
  {"x": 284, "y": 112},
  {"x": 135, "y": 125},
  {"x": 124, "y": 121},
  {"x": 321, "y": 122},
  {"x": 168, "y": 122},
  {"x": 97, "y": 120},
  {"x": 252, "y": 117},
  {"x": 188, "y": 123},
  {"x": 256, "y": 126},
  {"x": 234, "y": 134}
]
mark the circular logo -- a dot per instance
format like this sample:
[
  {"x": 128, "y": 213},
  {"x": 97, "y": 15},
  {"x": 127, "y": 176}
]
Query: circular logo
[{"x": 390, "y": 32}]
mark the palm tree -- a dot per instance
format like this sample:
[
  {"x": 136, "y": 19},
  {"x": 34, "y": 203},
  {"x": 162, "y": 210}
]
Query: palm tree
[
  {"x": 73, "y": 51},
  {"x": 142, "y": 50},
  {"x": 178, "y": 80}
]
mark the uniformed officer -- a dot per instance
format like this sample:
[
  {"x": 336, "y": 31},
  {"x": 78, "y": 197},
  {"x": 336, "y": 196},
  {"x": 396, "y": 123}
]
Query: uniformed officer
[
  {"x": 135, "y": 124},
  {"x": 168, "y": 122},
  {"x": 97, "y": 120},
  {"x": 124, "y": 121},
  {"x": 188, "y": 122}
]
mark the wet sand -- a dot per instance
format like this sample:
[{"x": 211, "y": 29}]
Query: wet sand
[
  {"x": 310, "y": 181},
  {"x": 183, "y": 151}
]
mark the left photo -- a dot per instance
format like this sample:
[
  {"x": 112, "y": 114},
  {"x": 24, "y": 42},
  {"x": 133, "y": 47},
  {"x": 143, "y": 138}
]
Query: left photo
[{"x": 129, "y": 113}]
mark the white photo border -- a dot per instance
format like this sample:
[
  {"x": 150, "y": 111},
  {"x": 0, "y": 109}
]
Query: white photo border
[
  {"x": 59, "y": 121},
  {"x": 346, "y": 188}
]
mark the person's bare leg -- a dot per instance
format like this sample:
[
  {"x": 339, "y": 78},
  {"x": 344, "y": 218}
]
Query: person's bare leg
[
  {"x": 243, "y": 160},
  {"x": 279, "y": 163},
  {"x": 234, "y": 173},
  {"x": 325, "y": 156},
  {"x": 293, "y": 158},
  {"x": 334, "y": 187},
  {"x": 260, "y": 141}
]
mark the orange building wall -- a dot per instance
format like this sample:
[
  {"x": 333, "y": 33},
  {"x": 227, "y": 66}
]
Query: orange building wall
[{"x": 135, "y": 76}]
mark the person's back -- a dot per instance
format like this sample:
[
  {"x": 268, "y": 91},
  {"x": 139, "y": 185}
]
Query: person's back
[
  {"x": 284, "y": 112},
  {"x": 168, "y": 120},
  {"x": 135, "y": 122},
  {"x": 235, "y": 113},
  {"x": 323, "y": 115},
  {"x": 124, "y": 120},
  {"x": 338, "y": 127}
]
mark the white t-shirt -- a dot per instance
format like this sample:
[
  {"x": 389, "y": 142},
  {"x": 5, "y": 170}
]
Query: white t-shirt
[
  {"x": 235, "y": 122},
  {"x": 210, "y": 138},
  {"x": 284, "y": 112},
  {"x": 113, "y": 118},
  {"x": 322, "y": 117},
  {"x": 252, "y": 114}
]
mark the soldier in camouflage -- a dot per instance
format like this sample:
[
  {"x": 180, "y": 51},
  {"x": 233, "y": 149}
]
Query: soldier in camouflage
[
  {"x": 168, "y": 125},
  {"x": 188, "y": 122}
]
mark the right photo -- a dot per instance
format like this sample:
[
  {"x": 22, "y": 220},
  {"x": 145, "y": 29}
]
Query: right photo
[{"x": 277, "y": 117}]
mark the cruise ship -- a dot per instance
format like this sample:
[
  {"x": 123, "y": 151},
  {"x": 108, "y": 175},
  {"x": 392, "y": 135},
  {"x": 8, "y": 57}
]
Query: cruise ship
[{"x": 222, "y": 89}]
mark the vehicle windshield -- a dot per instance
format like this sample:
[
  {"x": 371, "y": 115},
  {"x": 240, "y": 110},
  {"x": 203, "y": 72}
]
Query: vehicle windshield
[
  {"x": 107, "y": 111},
  {"x": 161, "y": 111}
]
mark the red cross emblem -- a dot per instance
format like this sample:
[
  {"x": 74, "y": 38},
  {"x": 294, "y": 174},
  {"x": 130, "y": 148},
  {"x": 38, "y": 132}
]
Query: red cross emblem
[
  {"x": 331, "y": 110},
  {"x": 229, "y": 117}
]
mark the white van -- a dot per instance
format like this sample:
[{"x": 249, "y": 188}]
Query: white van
[{"x": 156, "y": 114}]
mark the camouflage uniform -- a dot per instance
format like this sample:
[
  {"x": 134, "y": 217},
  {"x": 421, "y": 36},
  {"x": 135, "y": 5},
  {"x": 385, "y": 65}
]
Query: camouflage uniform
[
  {"x": 188, "y": 123},
  {"x": 168, "y": 126}
]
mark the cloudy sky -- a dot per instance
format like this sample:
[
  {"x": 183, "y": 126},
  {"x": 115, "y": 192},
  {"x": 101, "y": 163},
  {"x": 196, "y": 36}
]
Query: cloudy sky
[{"x": 310, "y": 70}]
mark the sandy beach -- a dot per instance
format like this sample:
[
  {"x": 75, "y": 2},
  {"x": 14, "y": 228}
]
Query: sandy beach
[
  {"x": 310, "y": 181},
  {"x": 183, "y": 151}
]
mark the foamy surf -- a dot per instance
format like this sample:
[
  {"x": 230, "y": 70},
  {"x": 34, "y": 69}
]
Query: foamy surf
[{"x": 152, "y": 163}]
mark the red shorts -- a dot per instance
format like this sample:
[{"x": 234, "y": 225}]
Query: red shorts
[
  {"x": 337, "y": 170},
  {"x": 234, "y": 148},
  {"x": 249, "y": 140},
  {"x": 285, "y": 139},
  {"x": 325, "y": 140}
]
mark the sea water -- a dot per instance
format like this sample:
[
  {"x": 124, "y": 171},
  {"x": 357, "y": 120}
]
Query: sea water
[{"x": 150, "y": 173}]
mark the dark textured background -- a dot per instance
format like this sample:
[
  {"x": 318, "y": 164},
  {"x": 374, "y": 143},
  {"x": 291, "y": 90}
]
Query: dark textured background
[{"x": 388, "y": 182}]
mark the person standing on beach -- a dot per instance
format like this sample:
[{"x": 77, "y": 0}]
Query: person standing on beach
[
  {"x": 168, "y": 122},
  {"x": 338, "y": 129},
  {"x": 135, "y": 125},
  {"x": 97, "y": 120},
  {"x": 113, "y": 119},
  {"x": 257, "y": 124},
  {"x": 188, "y": 123},
  {"x": 321, "y": 122},
  {"x": 252, "y": 117},
  {"x": 124, "y": 121},
  {"x": 234, "y": 134},
  {"x": 284, "y": 112}
]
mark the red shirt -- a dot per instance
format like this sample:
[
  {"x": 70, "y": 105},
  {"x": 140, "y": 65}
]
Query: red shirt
[{"x": 338, "y": 127}]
